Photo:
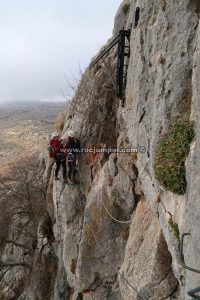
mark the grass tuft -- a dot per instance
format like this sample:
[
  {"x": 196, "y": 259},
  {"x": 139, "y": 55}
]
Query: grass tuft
[
  {"x": 175, "y": 228},
  {"x": 171, "y": 155}
]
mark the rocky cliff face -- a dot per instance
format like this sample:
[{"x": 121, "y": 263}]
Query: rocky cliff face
[
  {"x": 27, "y": 262},
  {"x": 115, "y": 231}
]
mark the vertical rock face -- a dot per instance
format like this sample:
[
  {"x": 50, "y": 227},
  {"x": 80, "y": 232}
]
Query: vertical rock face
[
  {"x": 192, "y": 247},
  {"x": 28, "y": 263},
  {"x": 147, "y": 261},
  {"x": 113, "y": 232}
]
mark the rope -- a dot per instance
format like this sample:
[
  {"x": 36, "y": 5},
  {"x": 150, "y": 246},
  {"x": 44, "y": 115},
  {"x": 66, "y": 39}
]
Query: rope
[
  {"x": 104, "y": 253},
  {"x": 113, "y": 218},
  {"x": 101, "y": 249}
]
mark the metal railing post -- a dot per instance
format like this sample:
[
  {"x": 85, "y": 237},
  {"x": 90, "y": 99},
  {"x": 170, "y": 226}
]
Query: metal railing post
[
  {"x": 120, "y": 41},
  {"x": 193, "y": 292}
]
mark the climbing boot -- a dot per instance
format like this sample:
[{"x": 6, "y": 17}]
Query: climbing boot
[
  {"x": 75, "y": 181},
  {"x": 70, "y": 182},
  {"x": 65, "y": 180}
]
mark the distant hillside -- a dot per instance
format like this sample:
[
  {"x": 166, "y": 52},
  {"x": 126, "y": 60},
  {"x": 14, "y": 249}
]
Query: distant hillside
[
  {"x": 24, "y": 130},
  {"x": 12, "y": 113}
]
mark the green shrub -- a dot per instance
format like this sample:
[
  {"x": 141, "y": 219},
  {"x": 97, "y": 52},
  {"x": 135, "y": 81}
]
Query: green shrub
[
  {"x": 175, "y": 228},
  {"x": 171, "y": 155},
  {"x": 126, "y": 8}
]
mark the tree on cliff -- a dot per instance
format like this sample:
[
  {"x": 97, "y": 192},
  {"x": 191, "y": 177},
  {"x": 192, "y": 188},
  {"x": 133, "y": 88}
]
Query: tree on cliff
[{"x": 22, "y": 202}]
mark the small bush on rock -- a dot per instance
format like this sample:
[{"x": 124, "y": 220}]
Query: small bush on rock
[
  {"x": 60, "y": 122},
  {"x": 126, "y": 8},
  {"x": 175, "y": 228},
  {"x": 171, "y": 155}
]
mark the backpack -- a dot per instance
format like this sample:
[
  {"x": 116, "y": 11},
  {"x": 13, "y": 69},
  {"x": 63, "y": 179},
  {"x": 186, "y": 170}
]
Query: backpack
[{"x": 50, "y": 150}]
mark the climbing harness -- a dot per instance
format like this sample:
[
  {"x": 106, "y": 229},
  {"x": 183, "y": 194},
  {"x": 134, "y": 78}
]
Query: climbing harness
[
  {"x": 61, "y": 157},
  {"x": 193, "y": 292}
]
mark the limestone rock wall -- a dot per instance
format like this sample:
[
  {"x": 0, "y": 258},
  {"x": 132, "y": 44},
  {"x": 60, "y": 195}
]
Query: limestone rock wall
[{"x": 113, "y": 237}]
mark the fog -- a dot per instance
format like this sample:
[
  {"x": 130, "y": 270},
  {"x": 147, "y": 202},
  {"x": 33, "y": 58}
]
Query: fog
[{"x": 44, "y": 42}]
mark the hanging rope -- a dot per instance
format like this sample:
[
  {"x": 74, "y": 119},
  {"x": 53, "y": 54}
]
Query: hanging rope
[
  {"x": 104, "y": 252},
  {"x": 111, "y": 216},
  {"x": 104, "y": 206}
]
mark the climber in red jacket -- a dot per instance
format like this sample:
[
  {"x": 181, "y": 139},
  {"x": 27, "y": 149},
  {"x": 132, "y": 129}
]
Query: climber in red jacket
[{"x": 57, "y": 151}]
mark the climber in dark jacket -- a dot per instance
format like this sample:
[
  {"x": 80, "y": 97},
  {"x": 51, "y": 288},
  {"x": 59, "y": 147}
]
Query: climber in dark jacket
[
  {"x": 73, "y": 149},
  {"x": 57, "y": 150}
]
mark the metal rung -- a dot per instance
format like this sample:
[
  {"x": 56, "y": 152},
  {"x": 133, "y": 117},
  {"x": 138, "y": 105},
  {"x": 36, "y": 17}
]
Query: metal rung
[
  {"x": 193, "y": 292},
  {"x": 122, "y": 44}
]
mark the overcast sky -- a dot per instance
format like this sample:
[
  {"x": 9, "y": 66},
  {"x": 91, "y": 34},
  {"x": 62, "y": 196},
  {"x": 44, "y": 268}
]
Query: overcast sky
[{"x": 42, "y": 41}]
